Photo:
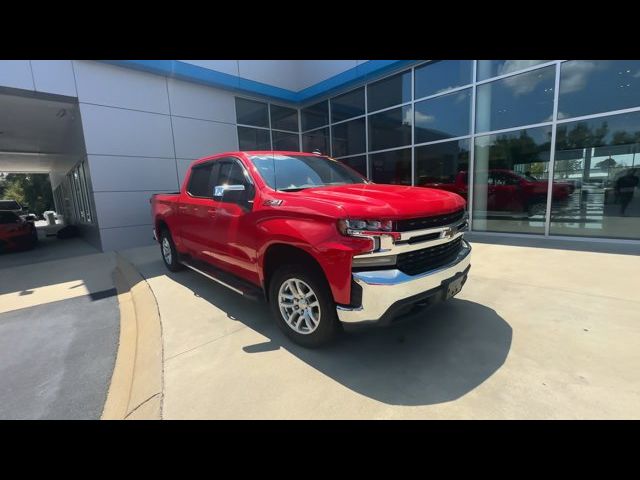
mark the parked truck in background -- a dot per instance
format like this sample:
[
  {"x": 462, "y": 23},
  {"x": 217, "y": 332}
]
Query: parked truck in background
[{"x": 320, "y": 243}]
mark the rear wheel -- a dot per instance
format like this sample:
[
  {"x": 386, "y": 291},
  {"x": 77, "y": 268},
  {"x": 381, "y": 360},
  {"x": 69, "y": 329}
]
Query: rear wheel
[
  {"x": 302, "y": 305},
  {"x": 34, "y": 236},
  {"x": 537, "y": 208},
  {"x": 169, "y": 252}
]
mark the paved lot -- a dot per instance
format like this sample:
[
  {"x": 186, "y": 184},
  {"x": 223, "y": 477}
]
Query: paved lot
[
  {"x": 56, "y": 359},
  {"x": 47, "y": 249},
  {"x": 535, "y": 333},
  {"x": 59, "y": 327}
]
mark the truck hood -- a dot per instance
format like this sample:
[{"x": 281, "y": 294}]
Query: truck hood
[{"x": 372, "y": 201}]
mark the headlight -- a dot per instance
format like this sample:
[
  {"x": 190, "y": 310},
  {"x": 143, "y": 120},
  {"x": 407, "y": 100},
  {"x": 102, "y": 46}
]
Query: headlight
[{"x": 352, "y": 226}]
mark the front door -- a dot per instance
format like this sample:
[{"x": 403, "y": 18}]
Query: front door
[{"x": 233, "y": 237}]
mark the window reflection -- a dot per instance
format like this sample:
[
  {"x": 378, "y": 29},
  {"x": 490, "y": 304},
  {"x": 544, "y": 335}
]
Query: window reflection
[
  {"x": 443, "y": 117},
  {"x": 253, "y": 139},
  {"x": 599, "y": 159},
  {"x": 594, "y": 86},
  {"x": 316, "y": 140},
  {"x": 347, "y": 105},
  {"x": 348, "y": 138},
  {"x": 511, "y": 181},
  {"x": 522, "y": 99},
  {"x": 389, "y": 129},
  {"x": 286, "y": 141},
  {"x": 359, "y": 163},
  {"x": 444, "y": 166},
  {"x": 391, "y": 167},
  {"x": 389, "y": 91},
  {"x": 495, "y": 68},
  {"x": 315, "y": 116},
  {"x": 284, "y": 118},
  {"x": 436, "y": 77},
  {"x": 250, "y": 112}
]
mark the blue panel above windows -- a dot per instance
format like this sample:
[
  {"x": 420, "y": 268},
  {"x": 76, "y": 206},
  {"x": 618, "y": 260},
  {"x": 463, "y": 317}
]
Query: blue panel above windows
[{"x": 193, "y": 73}]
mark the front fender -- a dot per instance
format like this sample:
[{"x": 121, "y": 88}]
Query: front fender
[{"x": 321, "y": 239}]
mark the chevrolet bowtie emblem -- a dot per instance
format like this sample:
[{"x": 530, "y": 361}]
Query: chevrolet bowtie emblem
[{"x": 448, "y": 233}]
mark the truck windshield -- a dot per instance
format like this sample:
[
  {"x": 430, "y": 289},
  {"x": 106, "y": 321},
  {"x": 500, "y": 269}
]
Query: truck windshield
[{"x": 292, "y": 172}]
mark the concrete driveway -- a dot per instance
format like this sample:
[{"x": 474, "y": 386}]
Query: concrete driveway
[{"x": 535, "y": 333}]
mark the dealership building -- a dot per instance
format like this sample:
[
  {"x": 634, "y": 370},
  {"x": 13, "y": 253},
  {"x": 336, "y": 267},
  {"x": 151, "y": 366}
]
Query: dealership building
[{"x": 543, "y": 148}]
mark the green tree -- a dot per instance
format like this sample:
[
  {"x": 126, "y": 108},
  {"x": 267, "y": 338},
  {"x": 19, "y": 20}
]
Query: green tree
[{"x": 31, "y": 190}]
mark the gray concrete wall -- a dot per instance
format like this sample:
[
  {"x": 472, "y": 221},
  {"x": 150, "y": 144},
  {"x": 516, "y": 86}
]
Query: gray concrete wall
[{"x": 141, "y": 133}]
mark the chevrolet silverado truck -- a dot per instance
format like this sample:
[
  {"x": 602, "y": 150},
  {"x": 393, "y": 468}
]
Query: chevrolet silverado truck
[
  {"x": 320, "y": 243},
  {"x": 507, "y": 191}
]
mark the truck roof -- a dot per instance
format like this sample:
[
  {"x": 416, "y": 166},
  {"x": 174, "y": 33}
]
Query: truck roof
[{"x": 255, "y": 152}]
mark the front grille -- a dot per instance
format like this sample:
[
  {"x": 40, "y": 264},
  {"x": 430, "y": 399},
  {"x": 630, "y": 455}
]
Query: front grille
[
  {"x": 428, "y": 222},
  {"x": 420, "y": 261}
]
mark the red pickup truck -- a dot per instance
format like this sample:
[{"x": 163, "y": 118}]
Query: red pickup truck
[
  {"x": 507, "y": 191},
  {"x": 320, "y": 243}
]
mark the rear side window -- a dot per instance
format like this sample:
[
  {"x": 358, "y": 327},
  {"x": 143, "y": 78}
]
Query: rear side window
[
  {"x": 8, "y": 217},
  {"x": 200, "y": 184}
]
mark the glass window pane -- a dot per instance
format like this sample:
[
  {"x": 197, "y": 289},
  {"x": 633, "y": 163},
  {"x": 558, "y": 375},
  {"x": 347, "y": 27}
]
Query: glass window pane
[
  {"x": 391, "y": 167},
  {"x": 389, "y": 129},
  {"x": 284, "y": 118},
  {"x": 349, "y": 138},
  {"x": 286, "y": 141},
  {"x": 316, "y": 140},
  {"x": 315, "y": 116},
  {"x": 250, "y": 112},
  {"x": 348, "y": 105},
  {"x": 389, "y": 91},
  {"x": 494, "y": 68},
  {"x": 597, "y": 178},
  {"x": 359, "y": 163},
  {"x": 443, "y": 117},
  {"x": 511, "y": 181},
  {"x": 253, "y": 139},
  {"x": 443, "y": 75},
  {"x": 200, "y": 181},
  {"x": 444, "y": 166},
  {"x": 594, "y": 86},
  {"x": 518, "y": 100}
]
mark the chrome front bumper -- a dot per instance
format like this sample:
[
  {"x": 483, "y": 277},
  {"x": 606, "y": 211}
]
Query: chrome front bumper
[{"x": 381, "y": 289}]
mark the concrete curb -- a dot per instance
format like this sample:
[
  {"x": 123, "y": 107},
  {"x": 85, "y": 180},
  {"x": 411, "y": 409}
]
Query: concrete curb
[{"x": 136, "y": 385}]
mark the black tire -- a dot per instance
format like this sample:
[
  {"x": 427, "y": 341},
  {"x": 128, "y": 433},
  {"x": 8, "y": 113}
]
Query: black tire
[
  {"x": 537, "y": 207},
  {"x": 174, "y": 265},
  {"x": 34, "y": 237},
  {"x": 328, "y": 325}
]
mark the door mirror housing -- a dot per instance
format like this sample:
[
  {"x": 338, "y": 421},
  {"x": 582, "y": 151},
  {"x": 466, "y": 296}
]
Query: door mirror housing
[{"x": 237, "y": 194}]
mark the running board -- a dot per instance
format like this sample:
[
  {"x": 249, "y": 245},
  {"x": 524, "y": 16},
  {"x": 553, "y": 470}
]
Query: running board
[{"x": 225, "y": 279}]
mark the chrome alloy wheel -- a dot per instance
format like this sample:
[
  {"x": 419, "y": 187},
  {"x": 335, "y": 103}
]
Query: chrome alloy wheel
[
  {"x": 166, "y": 250},
  {"x": 299, "y": 306}
]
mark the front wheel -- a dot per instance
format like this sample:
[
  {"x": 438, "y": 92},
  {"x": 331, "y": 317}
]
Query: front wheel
[
  {"x": 302, "y": 305},
  {"x": 169, "y": 252}
]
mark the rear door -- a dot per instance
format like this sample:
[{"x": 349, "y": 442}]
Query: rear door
[{"x": 197, "y": 208}]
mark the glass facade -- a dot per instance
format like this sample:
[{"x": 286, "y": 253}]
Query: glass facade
[
  {"x": 267, "y": 126},
  {"x": 543, "y": 147},
  {"x": 73, "y": 198}
]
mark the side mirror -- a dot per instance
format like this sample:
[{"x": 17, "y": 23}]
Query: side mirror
[{"x": 218, "y": 191}]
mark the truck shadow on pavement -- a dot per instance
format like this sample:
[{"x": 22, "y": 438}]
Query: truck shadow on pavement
[{"x": 438, "y": 355}]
